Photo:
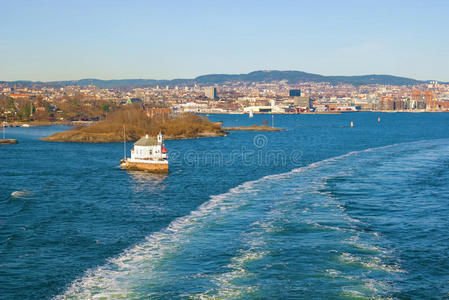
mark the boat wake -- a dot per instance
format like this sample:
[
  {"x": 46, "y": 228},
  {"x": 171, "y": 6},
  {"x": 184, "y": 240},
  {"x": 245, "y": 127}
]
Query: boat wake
[{"x": 271, "y": 237}]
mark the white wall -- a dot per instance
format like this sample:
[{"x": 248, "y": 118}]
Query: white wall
[{"x": 140, "y": 152}]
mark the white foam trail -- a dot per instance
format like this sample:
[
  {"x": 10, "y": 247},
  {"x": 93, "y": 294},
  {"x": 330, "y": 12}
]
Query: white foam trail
[
  {"x": 373, "y": 262},
  {"x": 227, "y": 289},
  {"x": 104, "y": 281},
  {"x": 110, "y": 280}
]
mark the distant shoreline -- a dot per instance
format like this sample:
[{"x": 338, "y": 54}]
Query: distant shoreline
[
  {"x": 324, "y": 112},
  {"x": 252, "y": 128},
  {"x": 73, "y": 123},
  {"x": 42, "y": 123}
]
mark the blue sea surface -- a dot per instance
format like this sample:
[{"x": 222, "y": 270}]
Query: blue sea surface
[{"x": 319, "y": 211}]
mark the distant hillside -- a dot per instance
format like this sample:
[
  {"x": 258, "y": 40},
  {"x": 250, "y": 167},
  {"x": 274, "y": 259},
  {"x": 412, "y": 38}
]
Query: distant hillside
[
  {"x": 257, "y": 76},
  {"x": 262, "y": 76},
  {"x": 298, "y": 76},
  {"x": 125, "y": 82}
]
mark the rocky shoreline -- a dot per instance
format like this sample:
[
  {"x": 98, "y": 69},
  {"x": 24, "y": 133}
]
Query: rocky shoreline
[
  {"x": 81, "y": 137},
  {"x": 8, "y": 141}
]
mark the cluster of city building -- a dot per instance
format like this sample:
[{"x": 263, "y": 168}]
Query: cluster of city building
[{"x": 243, "y": 97}]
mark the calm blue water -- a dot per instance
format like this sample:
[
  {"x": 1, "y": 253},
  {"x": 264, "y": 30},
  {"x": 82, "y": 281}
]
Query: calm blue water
[{"x": 316, "y": 212}]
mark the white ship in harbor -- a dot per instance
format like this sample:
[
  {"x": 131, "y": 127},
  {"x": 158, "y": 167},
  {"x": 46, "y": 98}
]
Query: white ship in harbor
[{"x": 148, "y": 154}]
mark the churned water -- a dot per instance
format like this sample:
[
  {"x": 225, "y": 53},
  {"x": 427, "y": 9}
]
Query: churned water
[{"x": 319, "y": 211}]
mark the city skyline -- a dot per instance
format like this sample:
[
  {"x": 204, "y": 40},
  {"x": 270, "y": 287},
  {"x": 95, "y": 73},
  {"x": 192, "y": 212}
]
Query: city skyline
[{"x": 52, "y": 41}]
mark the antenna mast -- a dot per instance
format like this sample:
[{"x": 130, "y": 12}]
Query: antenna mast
[{"x": 124, "y": 142}]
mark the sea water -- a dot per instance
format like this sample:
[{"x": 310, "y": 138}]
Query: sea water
[{"x": 319, "y": 211}]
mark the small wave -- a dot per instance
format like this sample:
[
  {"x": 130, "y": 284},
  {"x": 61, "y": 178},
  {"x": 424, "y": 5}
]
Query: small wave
[
  {"x": 370, "y": 262},
  {"x": 21, "y": 194},
  {"x": 369, "y": 289},
  {"x": 331, "y": 228},
  {"x": 357, "y": 288},
  {"x": 226, "y": 287}
]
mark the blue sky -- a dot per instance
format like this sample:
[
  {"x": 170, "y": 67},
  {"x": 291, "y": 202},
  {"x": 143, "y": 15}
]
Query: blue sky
[{"x": 64, "y": 40}]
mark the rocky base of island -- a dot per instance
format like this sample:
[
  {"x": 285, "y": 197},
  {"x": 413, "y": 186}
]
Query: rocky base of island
[{"x": 8, "y": 141}]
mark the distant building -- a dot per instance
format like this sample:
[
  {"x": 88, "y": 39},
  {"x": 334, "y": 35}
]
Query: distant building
[
  {"x": 295, "y": 93},
  {"x": 421, "y": 105},
  {"x": 210, "y": 92},
  {"x": 264, "y": 109},
  {"x": 389, "y": 103},
  {"x": 386, "y": 103},
  {"x": 19, "y": 96},
  {"x": 302, "y": 101}
]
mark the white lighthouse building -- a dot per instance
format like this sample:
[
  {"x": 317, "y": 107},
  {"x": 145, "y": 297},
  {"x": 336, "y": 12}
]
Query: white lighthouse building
[{"x": 148, "y": 154}]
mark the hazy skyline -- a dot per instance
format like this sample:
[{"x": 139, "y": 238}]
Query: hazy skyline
[{"x": 60, "y": 40}]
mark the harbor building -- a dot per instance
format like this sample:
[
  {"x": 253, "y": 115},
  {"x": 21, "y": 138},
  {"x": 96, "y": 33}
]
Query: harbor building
[{"x": 302, "y": 101}]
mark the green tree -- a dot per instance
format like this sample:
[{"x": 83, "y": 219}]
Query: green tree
[
  {"x": 11, "y": 105},
  {"x": 105, "y": 107},
  {"x": 25, "y": 111}
]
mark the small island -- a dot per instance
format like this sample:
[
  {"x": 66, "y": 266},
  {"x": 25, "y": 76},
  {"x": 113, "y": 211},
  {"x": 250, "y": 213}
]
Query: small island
[
  {"x": 8, "y": 141},
  {"x": 132, "y": 123}
]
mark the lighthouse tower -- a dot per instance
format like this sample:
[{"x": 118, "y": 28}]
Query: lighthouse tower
[{"x": 160, "y": 137}]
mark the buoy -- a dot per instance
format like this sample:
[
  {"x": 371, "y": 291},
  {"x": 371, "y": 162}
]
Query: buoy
[
  {"x": 378, "y": 119},
  {"x": 352, "y": 124}
]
